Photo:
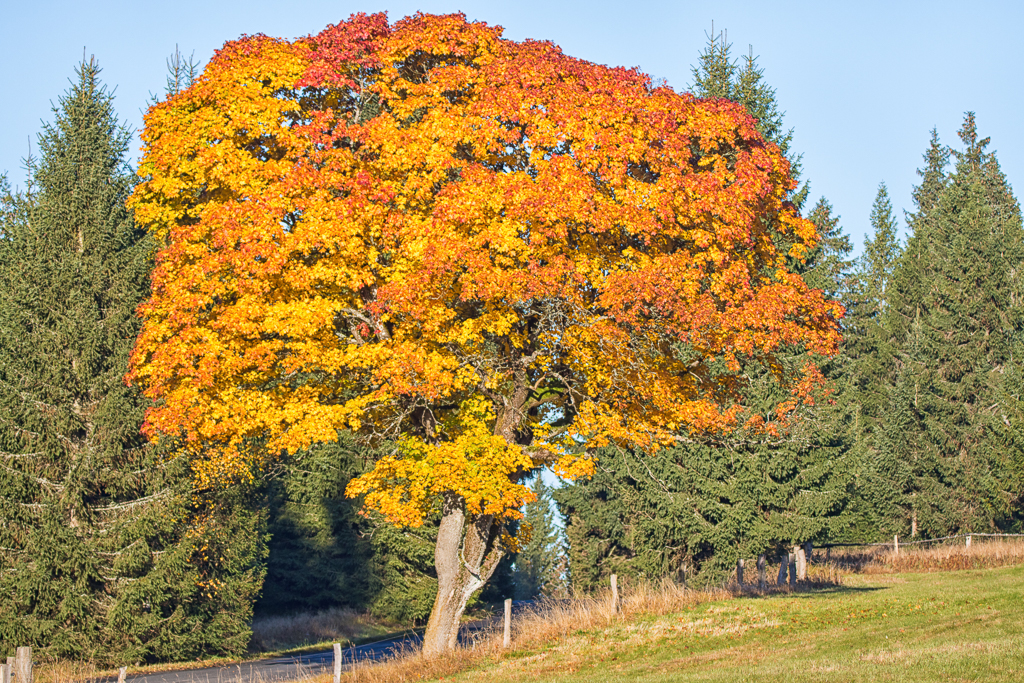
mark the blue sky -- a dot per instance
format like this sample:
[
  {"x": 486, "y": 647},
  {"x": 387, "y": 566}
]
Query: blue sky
[{"x": 862, "y": 83}]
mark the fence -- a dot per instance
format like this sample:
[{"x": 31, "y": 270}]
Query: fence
[
  {"x": 793, "y": 564},
  {"x": 896, "y": 542}
]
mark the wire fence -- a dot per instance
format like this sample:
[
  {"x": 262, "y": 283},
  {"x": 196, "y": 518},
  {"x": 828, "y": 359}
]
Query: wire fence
[{"x": 901, "y": 543}]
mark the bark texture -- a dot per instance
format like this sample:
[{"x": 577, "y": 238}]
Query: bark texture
[{"x": 466, "y": 555}]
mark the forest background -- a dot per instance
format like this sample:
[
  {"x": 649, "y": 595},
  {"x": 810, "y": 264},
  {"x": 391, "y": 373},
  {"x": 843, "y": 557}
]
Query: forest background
[{"x": 920, "y": 437}]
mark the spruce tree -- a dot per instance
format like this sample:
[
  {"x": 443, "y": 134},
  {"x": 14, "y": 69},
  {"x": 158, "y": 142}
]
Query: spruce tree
[
  {"x": 867, "y": 341},
  {"x": 323, "y": 553},
  {"x": 867, "y": 375},
  {"x": 954, "y": 315},
  {"x": 717, "y": 75},
  {"x": 538, "y": 562},
  {"x": 105, "y": 556},
  {"x": 319, "y": 551},
  {"x": 880, "y": 252},
  {"x": 715, "y": 72},
  {"x": 692, "y": 511},
  {"x": 908, "y": 283}
]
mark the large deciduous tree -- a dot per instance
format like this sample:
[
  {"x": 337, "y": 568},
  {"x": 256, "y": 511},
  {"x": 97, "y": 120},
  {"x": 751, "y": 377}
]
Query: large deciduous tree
[{"x": 492, "y": 255}]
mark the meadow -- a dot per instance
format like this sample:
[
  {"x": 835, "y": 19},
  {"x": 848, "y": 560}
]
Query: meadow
[{"x": 949, "y": 613}]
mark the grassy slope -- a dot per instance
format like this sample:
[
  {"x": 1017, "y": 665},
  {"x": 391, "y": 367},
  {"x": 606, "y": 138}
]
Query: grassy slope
[{"x": 966, "y": 625}]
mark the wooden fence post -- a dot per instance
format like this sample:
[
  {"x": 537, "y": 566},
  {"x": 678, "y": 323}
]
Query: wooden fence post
[
  {"x": 968, "y": 540},
  {"x": 801, "y": 563},
  {"x": 792, "y": 570},
  {"x": 896, "y": 545},
  {"x": 615, "y": 593},
  {"x": 10, "y": 671},
  {"x": 122, "y": 674},
  {"x": 5, "y": 677},
  {"x": 23, "y": 665},
  {"x": 508, "y": 622},
  {"x": 739, "y": 571},
  {"x": 783, "y": 565},
  {"x": 760, "y": 572},
  {"x": 337, "y": 662}
]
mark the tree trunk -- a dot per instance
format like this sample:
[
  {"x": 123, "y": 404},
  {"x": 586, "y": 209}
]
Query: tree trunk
[{"x": 464, "y": 563}]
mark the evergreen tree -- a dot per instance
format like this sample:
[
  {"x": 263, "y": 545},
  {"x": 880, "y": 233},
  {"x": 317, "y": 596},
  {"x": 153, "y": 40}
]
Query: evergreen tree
[
  {"x": 715, "y": 72},
  {"x": 869, "y": 374},
  {"x": 933, "y": 181},
  {"x": 880, "y": 251},
  {"x": 694, "y": 510},
  {"x": 954, "y": 316},
  {"x": 323, "y": 553},
  {"x": 405, "y": 581},
  {"x": 537, "y": 563},
  {"x": 908, "y": 286},
  {"x": 827, "y": 266},
  {"x": 867, "y": 337},
  {"x": 319, "y": 554},
  {"x": 717, "y": 75},
  {"x": 105, "y": 556}
]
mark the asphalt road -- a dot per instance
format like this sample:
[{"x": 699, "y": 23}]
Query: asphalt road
[
  {"x": 282, "y": 668},
  {"x": 302, "y": 666}
]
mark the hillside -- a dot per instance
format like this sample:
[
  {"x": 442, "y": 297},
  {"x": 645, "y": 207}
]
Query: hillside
[{"x": 961, "y": 625}]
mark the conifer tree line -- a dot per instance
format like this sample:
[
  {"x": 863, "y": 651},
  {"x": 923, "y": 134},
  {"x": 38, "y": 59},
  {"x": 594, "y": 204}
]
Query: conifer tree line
[{"x": 108, "y": 552}]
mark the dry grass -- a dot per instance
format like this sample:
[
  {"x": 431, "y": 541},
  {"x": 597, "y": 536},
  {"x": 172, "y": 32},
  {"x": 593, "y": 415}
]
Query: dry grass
[
  {"x": 557, "y": 625},
  {"x": 557, "y": 621},
  {"x": 67, "y": 672},
  {"x": 983, "y": 553},
  {"x": 337, "y": 625}
]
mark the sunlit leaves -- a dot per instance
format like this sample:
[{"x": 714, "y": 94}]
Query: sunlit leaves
[{"x": 485, "y": 251}]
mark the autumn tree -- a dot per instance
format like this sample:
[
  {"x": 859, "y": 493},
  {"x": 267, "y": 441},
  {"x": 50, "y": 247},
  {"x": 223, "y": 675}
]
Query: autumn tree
[{"x": 487, "y": 253}]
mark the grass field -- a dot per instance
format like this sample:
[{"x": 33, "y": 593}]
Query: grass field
[
  {"x": 963, "y": 625},
  {"x": 913, "y": 627}
]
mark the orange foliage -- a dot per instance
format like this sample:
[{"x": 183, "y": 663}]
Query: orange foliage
[{"x": 484, "y": 251}]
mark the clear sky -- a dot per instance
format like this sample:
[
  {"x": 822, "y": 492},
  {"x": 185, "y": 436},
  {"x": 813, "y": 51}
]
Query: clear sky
[{"x": 862, "y": 83}]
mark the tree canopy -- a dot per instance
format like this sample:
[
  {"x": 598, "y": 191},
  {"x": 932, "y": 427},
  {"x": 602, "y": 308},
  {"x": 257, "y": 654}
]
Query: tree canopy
[{"x": 486, "y": 252}]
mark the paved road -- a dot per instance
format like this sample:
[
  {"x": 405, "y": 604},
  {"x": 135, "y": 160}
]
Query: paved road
[
  {"x": 302, "y": 666},
  {"x": 280, "y": 669}
]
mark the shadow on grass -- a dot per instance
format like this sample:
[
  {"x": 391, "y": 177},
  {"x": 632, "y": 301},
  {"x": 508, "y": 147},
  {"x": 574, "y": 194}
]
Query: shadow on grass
[{"x": 833, "y": 590}]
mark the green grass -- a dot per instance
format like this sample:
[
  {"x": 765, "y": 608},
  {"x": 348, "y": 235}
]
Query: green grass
[{"x": 955, "y": 626}]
